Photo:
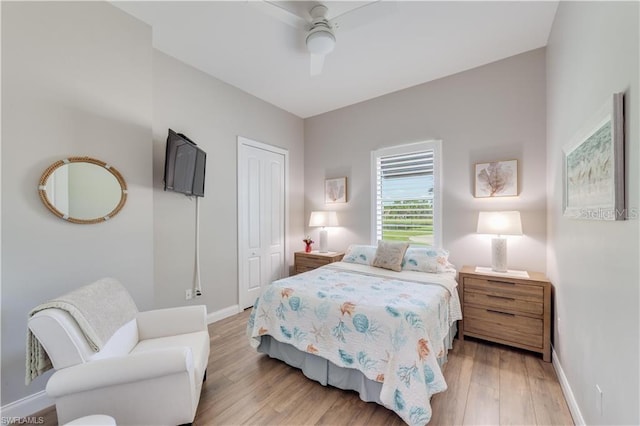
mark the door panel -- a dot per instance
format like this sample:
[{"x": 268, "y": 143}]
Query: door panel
[
  {"x": 253, "y": 278},
  {"x": 276, "y": 192},
  {"x": 261, "y": 217},
  {"x": 253, "y": 200},
  {"x": 275, "y": 270}
]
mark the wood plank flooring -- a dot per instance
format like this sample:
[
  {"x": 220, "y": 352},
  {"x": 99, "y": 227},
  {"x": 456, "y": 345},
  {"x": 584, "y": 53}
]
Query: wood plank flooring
[{"x": 488, "y": 384}]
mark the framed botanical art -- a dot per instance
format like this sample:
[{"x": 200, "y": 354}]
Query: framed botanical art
[
  {"x": 496, "y": 179},
  {"x": 335, "y": 190},
  {"x": 593, "y": 177}
]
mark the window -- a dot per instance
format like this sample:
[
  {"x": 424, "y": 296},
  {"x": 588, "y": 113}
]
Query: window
[{"x": 406, "y": 193}]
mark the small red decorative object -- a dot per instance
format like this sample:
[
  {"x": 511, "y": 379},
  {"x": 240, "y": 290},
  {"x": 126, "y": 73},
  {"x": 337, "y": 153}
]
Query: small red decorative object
[{"x": 308, "y": 241}]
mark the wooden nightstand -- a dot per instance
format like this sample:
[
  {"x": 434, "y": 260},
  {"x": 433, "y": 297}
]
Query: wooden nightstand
[
  {"x": 506, "y": 309},
  {"x": 308, "y": 261}
]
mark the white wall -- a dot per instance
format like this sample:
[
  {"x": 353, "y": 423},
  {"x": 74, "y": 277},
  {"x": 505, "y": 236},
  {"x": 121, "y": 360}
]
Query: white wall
[
  {"x": 592, "y": 53},
  {"x": 75, "y": 81},
  {"x": 494, "y": 112},
  {"x": 212, "y": 114}
]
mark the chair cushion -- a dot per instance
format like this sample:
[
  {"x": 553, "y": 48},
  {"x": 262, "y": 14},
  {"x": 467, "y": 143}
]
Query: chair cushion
[
  {"x": 121, "y": 343},
  {"x": 198, "y": 342}
]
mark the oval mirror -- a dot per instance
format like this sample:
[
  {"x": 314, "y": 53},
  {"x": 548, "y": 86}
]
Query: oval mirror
[{"x": 82, "y": 190}]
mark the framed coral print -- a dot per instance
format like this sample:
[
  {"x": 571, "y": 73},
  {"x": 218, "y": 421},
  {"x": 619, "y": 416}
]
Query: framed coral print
[
  {"x": 335, "y": 190},
  {"x": 496, "y": 179},
  {"x": 593, "y": 166}
]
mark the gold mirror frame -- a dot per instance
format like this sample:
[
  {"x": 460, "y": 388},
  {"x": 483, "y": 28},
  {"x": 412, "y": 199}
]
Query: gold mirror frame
[{"x": 42, "y": 191}]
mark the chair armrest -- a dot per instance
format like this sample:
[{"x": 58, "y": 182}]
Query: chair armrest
[
  {"x": 171, "y": 321},
  {"x": 121, "y": 370}
]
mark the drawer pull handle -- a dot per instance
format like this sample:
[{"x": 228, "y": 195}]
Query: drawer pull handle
[
  {"x": 501, "y": 282},
  {"x": 501, "y": 313},
  {"x": 501, "y": 297}
]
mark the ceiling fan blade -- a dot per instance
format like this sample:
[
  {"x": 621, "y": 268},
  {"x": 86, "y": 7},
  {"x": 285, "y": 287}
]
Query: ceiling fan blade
[
  {"x": 364, "y": 14},
  {"x": 317, "y": 61},
  {"x": 276, "y": 11}
]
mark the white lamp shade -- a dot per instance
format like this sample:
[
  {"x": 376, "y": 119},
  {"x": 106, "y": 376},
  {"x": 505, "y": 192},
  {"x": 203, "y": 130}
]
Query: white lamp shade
[
  {"x": 323, "y": 219},
  {"x": 499, "y": 223}
]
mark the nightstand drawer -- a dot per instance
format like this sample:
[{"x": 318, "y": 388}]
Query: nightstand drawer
[
  {"x": 508, "y": 327},
  {"x": 504, "y": 288},
  {"x": 308, "y": 261},
  {"x": 502, "y": 302},
  {"x": 301, "y": 268}
]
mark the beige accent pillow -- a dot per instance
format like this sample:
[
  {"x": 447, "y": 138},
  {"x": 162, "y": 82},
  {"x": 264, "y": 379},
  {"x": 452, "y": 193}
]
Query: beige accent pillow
[{"x": 389, "y": 255}]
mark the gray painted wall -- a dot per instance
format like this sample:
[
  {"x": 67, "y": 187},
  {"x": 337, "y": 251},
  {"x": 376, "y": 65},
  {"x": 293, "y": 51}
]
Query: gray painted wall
[
  {"x": 212, "y": 113},
  {"x": 83, "y": 79},
  {"x": 592, "y": 53},
  {"x": 75, "y": 81},
  {"x": 494, "y": 112}
]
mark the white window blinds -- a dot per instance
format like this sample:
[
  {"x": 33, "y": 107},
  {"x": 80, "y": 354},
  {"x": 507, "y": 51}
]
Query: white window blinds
[{"x": 406, "y": 193}]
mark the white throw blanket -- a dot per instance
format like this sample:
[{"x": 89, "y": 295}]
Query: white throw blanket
[{"x": 100, "y": 309}]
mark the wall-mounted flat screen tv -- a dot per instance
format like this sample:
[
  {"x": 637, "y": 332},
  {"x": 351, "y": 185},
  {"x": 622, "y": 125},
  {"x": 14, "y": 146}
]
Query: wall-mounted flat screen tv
[{"x": 184, "y": 165}]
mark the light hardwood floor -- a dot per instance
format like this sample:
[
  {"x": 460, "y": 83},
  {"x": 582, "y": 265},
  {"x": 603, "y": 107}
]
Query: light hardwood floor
[{"x": 488, "y": 385}]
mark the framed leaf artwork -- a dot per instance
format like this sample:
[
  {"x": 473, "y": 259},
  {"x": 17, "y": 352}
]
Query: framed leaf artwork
[
  {"x": 496, "y": 179},
  {"x": 335, "y": 190}
]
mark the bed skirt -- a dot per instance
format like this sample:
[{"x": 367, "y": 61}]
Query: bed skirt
[{"x": 327, "y": 373}]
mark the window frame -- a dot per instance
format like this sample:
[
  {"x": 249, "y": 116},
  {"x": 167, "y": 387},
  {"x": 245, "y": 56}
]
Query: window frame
[{"x": 436, "y": 146}]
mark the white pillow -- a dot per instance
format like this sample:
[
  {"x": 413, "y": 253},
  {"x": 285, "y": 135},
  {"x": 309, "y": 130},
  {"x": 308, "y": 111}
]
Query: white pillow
[
  {"x": 360, "y": 254},
  {"x": 390, "y": 254},
  {"x": 427, "y": 259}
]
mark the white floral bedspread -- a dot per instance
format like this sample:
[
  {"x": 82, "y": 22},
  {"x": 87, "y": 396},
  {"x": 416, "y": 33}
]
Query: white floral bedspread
[{"x": 357, "y": 316}]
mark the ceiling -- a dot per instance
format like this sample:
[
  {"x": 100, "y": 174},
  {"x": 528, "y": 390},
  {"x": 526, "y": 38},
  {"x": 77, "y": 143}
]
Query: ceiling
[{"x": 418, "y": 41}]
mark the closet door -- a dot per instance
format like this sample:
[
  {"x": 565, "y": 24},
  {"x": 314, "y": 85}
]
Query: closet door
[{"x": 261, "y": 217}]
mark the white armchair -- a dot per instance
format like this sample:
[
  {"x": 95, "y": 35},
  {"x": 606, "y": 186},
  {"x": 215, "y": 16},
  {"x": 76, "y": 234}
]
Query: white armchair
[{"x": 150, "y": 371}]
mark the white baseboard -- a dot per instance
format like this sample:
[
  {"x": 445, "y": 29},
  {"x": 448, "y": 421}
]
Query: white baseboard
[
  {"x": 31, "y": 404},
  {"x": 27, "y": 406},
  {"x": 222, "y": 313},
  {"x": 566, "y": 390}
]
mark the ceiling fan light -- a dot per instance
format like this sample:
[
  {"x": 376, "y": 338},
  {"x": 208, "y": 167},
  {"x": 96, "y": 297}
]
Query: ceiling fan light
[{"x": 320, "y": 42}]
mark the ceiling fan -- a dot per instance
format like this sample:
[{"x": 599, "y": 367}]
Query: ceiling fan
[{"x": 320, "y": 31}]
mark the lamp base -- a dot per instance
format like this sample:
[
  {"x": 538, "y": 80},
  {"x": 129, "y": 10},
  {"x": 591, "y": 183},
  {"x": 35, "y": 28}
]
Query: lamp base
[
  {"x": 499, "y": 254},
  {"x": 323, "y": 241}
]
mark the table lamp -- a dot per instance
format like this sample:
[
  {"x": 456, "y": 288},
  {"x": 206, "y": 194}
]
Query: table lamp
[
  {"x": 499, "y": 224},
  {"x": 323, "y": 219}
]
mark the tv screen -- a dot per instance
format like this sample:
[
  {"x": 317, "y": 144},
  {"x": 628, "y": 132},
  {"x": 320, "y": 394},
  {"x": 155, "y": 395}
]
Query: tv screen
[{"x": 184, "y": 165}]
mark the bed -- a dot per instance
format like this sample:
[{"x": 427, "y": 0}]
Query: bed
[{"x": 382, "y": 333}]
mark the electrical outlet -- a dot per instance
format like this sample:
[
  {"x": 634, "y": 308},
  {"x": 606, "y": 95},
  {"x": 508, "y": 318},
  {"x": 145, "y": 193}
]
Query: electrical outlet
[
  {"x": 188, "y": 294},
  {"x": 599, "y": 396}
]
